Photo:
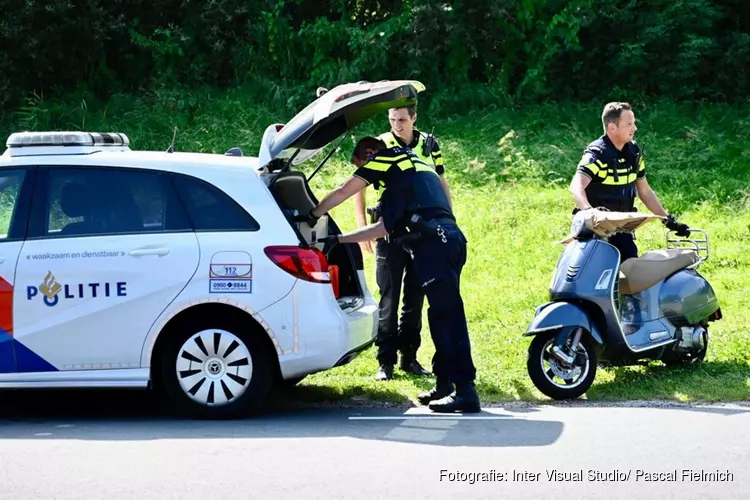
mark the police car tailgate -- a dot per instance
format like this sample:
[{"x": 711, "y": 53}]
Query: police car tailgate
[{"x": 330, "y": 116}]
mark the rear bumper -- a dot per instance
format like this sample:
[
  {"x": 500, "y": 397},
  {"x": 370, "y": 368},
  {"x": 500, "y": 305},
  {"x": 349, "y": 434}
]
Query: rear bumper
[
  {"x": 349, "y": 356},
  {"x": 328, "y": 335}
]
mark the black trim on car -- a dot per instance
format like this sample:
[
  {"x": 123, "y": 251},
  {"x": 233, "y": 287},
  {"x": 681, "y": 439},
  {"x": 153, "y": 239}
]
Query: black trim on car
[{"x": 349, "y": 356}]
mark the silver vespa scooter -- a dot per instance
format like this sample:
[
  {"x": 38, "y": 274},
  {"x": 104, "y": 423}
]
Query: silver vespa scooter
[{"x": 656, "y": 306}]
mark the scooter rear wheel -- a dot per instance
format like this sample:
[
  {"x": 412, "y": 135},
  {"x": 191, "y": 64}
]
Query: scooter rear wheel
[{"x": 552, "y": 377}]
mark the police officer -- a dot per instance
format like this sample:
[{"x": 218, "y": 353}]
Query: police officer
[
  {"x": 612, "y": 171},
  {"x": 415, "y": 213},
  {"x": 393, "y": 263}
]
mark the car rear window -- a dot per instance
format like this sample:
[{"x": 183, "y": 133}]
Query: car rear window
[{"x": 209, "y": 208}]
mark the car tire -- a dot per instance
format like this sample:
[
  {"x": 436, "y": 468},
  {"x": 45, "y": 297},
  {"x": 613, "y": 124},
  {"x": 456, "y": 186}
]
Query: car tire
[{"x": 216, "y": 370}]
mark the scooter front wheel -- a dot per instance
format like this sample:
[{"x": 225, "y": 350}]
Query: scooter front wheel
[{"x": 555, "y": 378}]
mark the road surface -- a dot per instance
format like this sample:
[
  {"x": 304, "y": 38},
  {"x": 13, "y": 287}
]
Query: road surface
[{"x": 123, "y": 445}]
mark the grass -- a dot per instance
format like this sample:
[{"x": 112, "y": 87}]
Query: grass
[{"x": 508, "y": 171}]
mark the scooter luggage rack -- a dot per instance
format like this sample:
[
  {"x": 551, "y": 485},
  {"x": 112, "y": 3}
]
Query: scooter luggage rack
[{"x": 700, "y": 245}]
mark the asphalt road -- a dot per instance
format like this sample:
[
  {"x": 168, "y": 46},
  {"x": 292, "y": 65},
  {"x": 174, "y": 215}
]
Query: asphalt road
[{"x": 124, "y": 445}]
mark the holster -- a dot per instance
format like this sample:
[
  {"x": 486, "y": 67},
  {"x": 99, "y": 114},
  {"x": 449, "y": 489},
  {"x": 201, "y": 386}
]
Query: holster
[
  {"x": 407, "y": 238},
  {"x": 374, "y": 213}
]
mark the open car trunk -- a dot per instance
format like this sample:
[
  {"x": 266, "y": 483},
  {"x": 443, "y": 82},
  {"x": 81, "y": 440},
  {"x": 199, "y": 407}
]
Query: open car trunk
[
  {"x": 324, "y": 120},
  {"x": 293, "y": 194}
]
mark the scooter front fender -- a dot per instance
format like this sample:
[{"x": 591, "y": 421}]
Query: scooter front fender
[{"x": 559, "y": 315}]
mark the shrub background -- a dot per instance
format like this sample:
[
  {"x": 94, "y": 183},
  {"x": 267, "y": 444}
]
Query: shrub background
[{"x": 469, "y": 53}]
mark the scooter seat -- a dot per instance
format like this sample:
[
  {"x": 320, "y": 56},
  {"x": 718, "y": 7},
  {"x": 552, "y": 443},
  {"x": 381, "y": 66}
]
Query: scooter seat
[{"x": 645, "y": 271}]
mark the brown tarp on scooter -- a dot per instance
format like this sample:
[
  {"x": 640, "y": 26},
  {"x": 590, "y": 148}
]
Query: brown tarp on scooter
[{"x": 605, "y": 224}]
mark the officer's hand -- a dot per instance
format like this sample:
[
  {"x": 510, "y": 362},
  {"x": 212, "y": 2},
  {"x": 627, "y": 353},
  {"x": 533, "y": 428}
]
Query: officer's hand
[
  {"x": 329, "y": 242},
  {"x": 366, "y": 246},
  {"x": 311, "y": 218},
  {"x": 680, "y": 228}
]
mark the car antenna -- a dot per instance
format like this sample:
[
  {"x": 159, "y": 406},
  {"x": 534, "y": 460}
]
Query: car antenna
[{"x": 170, "y": 149}]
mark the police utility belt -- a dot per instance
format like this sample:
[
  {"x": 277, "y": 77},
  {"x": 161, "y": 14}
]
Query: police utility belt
[{"x": 417, "y": 228}]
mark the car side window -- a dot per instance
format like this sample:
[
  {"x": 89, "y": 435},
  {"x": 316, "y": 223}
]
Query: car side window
[
  {"x": 209, "y": 208},
  {"x": 10, "y": 190},
  {"x": 105, "y": 201}
]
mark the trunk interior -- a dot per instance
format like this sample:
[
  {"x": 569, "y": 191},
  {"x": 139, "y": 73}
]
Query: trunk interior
[{"x": 292, "y": 193}]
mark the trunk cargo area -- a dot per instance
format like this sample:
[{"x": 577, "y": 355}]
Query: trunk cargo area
[{"x": 292, "y": 193}]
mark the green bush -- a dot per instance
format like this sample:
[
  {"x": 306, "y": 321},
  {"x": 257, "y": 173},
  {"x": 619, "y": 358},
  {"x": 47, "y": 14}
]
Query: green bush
[{"x": 469, "y": 53}]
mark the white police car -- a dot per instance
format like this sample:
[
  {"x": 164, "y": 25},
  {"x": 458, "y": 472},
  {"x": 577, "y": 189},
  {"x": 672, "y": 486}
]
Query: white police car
[{"x": 188, "y": 272}]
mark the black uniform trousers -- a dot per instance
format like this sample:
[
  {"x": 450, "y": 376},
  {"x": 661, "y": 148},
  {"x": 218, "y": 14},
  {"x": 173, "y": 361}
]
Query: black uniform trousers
[
  {"x": 394, "y": 265},
  {"x": 625, "y": 243},
  {"x": 438, "y": 261}
]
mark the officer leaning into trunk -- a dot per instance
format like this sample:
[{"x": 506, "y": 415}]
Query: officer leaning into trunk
[
  {"x": 415, "y": 214},
  {"x": 393, "y": 263}
]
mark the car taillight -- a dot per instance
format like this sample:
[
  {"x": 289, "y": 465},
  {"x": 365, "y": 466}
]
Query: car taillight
[{"x": 307, "y": 264}]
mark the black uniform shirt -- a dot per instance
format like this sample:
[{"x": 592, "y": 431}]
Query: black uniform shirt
[
  {"x": 386, "y": 163},
  {"x": 613, "y": 173},
  {"x": 410, "y": 186}
]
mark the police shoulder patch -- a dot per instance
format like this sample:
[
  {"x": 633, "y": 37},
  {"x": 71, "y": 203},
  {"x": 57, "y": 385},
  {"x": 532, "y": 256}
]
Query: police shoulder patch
[
  {"x": 593, "y": 150},
  {"x": 597, "y": 146}
]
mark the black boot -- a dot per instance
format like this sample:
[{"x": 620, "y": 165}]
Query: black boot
[
  {"x": 385, "y": 372},
  {"x": 411, "y": 365},
  {"x": 441, "y": 390},
  {"x": 464, "y": 400}
]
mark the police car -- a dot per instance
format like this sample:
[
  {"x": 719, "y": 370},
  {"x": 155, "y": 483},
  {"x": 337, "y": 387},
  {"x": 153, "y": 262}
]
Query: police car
[{"x": 190, "y": 273}]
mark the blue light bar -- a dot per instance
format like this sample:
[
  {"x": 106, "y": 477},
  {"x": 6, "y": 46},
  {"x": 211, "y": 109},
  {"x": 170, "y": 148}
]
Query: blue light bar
[{"x": 36, "y": 139}]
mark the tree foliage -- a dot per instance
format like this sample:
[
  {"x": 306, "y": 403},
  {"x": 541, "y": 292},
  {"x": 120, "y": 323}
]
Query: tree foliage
[{"x": 472, "y": 52}]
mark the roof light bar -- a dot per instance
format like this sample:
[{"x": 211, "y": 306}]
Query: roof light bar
[{"x": 36, "y": 139}]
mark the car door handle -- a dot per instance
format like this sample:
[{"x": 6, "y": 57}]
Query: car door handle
[{"x": 149, "y": 251}]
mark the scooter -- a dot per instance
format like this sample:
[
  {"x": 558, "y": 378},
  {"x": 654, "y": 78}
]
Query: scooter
[{"x": 654, "y": 307}]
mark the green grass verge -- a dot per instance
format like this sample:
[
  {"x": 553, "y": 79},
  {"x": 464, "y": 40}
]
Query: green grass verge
[{"x": 508, "y": 171}]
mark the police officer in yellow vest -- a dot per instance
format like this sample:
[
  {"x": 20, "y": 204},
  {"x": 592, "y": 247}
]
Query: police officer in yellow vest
[
  {"x": 393, "y": 263},
  {"x": 612, "y": 173}
]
